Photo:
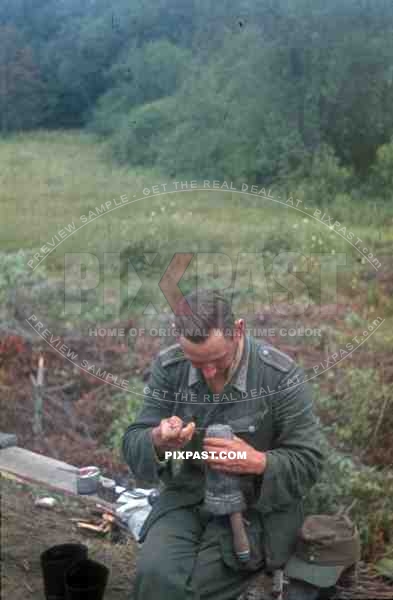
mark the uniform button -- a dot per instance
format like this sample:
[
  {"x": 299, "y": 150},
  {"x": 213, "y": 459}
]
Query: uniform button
[
  {"x": 312, "y": 558},
  {"x": 251, "y": 428},
  {"x": 265, "y": 352}
]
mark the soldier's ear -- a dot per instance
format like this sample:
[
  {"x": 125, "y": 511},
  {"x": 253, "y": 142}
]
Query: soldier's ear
[{"x": 239, "y": 328}]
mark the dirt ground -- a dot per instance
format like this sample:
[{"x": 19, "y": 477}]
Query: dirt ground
[{"x": 27, "y": 530}]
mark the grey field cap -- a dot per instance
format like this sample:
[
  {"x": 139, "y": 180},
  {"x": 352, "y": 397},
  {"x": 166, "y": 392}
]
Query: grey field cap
[{"x": 327, "y": 545}]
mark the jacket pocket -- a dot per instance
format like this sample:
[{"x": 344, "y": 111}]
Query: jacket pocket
[
  {"x": 251, "y": 422},
  {"x": 254, "y": 427},
  {"x": 281, "y": 531},
  {"x": 255, "y": 537}
]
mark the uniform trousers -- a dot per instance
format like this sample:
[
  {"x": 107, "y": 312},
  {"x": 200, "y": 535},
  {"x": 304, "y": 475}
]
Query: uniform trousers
[{"x": 187, "y": 555}]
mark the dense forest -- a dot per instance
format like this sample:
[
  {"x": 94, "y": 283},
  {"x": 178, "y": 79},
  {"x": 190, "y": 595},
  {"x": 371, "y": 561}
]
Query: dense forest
[{"x": 259, "y": 89}]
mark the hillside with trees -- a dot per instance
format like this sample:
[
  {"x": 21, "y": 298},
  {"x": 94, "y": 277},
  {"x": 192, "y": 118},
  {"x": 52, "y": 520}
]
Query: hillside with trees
[{"x": 252, "y": 90}]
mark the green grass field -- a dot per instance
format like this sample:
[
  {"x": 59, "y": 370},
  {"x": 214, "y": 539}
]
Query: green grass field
[{"x": 50, "y": 179}]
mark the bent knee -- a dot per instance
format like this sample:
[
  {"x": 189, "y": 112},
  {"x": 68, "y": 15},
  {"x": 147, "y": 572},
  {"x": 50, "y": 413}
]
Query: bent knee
[
  {"x": 150, "y": 564},
  {"x": 157, "y": 572}
]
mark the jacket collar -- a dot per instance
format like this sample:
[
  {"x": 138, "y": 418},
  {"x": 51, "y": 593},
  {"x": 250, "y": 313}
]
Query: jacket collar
[{"x": 239, "y": 377}]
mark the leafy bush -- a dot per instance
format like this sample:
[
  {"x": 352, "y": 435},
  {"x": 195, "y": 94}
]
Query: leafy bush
[
  {"x": 361, "y": 404},
  {"x": 381, "y": 179},
  {"x": 136, "y": 140},
  {"x": 352, "y": 418},
  {"x": 108, "y": 113},
  {"x": 14, "y": 273},
  {"x": 321, "y": 178},
  {"x": 152, "y": 71},
  {"x": 370, "y": 493},
  {"x": 140, "y": 76},
  {"x": 127, "y": 405}
]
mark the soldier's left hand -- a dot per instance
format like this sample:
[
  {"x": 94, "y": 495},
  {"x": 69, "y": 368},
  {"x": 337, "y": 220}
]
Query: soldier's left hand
[{"x": 253, "y": 463}]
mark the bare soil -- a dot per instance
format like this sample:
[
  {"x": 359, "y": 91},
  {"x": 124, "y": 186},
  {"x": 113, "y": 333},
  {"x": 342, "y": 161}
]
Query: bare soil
[{"x": 28, "y": 530}]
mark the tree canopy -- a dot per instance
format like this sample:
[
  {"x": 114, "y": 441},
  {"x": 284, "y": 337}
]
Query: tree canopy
[{"x": 249, "y": 89}]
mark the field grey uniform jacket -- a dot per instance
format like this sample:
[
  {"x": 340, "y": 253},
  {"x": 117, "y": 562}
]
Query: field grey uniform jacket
[{"x": 267, "y": 404}]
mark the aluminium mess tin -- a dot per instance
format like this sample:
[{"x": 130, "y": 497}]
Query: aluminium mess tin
[{"x": 87, "y": 480}]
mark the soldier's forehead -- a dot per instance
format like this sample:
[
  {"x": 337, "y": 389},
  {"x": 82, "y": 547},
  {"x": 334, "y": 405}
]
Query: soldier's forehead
[{"x": 213, "y": 347}]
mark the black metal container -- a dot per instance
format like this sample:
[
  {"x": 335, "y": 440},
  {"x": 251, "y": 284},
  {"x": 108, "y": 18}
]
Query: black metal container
[
  {"x": 54, "y": 563},
  {"x": 86, "y": 580}
]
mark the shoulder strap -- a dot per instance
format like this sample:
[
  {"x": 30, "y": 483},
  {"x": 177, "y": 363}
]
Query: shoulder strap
[
  {"x": 172, "y": 354},
  {"x": 275, "y": 358}
]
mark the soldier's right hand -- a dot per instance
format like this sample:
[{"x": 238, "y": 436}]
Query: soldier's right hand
[{"x": 171, "y": 434}]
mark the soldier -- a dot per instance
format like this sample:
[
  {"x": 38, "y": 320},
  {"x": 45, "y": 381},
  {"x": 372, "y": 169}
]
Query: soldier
[{"x": 216, "y": 373}]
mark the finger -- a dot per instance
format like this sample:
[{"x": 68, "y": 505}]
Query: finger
[
  {"x": 217, "y": 441},
  {"x": 214, "y": 448},
  {"x": 172, "y": 427},
  {"x": 183, "y": 434},
  {"x": 175, "y": 422},
  {"x": 215, "y": 455},
  {"x": 170, "y": 435},
  {"x": 188, "y": 431}
]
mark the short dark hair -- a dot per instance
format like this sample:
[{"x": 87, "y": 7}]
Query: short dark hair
[{"x": 201, "y": 311}]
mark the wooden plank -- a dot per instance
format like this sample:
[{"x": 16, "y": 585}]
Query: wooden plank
[{"x": 35, "y": 467}]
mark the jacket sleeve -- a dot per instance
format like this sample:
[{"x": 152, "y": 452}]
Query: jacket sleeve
[
  {"x": 296, "y": 459},
  {"x": 137, "y": 444}
]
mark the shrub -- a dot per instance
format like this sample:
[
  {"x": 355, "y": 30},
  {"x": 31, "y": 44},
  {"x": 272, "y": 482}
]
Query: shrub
[
  {"x": 381, "y": 179},
  {"x": 127, "y": 405},
  {"x": 370, "y": 493},
  {"x": 15, "y": 274},
  {"x": 139, "y": 77},
  {"x": 322, "y": 178},
  {"x": 362, "y": 405},
  {"x": 136, "y": 140}
]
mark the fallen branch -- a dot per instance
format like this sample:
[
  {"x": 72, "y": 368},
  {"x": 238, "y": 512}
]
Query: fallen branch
[{"x": 103, "y": 528}]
